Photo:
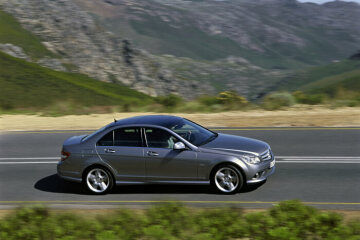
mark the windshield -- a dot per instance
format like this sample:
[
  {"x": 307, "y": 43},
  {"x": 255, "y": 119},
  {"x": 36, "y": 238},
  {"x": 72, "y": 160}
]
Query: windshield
[{"x": 192, "y": 132}]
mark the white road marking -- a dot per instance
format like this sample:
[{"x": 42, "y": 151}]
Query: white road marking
[
  {"x": 26, "y": 162},
  {"x": 279, "y": 159},
  {"x": 317, "y": 159},
  {"x": 337, "y": 162},
  {"x": 312, "y": 157},
  {"x": 30, "y": 158}
]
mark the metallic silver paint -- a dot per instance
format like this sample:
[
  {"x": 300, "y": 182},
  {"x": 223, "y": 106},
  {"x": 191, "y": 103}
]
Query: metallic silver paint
[{"x": 193, "y": 165}]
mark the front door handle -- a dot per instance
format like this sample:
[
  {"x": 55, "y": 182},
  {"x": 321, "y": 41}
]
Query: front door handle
[
  {"x": 151, "y": 153},
  {"x": 108, "y": 150}
]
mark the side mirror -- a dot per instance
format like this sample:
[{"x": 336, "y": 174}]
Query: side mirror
[{"x": 179, "y": 146}]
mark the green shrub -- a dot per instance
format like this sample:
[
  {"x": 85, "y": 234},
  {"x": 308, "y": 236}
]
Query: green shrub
[
  {"x": 231, "y": 100},
  {"x": 169, "y": 101},
  {"x": 311, "y": 99},
  {"x": 170, "y": 219},
  {"x": 123, "y": 224},
  {"x": 220, "y": 224},
  {"x": 288, "y": 220},
  {"x": 278, "y": 100},
  {"x": 207, "y": 100}
]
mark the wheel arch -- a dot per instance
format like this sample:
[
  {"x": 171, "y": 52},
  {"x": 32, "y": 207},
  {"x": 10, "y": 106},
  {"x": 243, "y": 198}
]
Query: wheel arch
[
  {"x": 84, "y": 172},
  {"x": 217, "y": 166}
]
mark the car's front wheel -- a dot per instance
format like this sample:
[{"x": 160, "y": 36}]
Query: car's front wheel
[
  {"x": 98, "y": 180},
  {"x": 227, "y": 179}
]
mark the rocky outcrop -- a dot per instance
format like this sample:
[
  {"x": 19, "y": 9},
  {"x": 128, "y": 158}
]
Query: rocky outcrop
[
  {"x": 14, "y": 51},
  {"x": 79, "y": 40}
]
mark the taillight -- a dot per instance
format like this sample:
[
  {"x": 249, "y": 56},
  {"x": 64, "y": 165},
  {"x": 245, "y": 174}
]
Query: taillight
[{"x": 64, "y": 155}]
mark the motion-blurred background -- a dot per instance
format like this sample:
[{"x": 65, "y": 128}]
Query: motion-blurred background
[{"x": 90, "y": 56}]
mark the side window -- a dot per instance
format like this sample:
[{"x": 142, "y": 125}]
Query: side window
[
  {"x": 158, "y": 138},
  {"x": 106, "y": 140},
  {"x": 127, "y": 137}
]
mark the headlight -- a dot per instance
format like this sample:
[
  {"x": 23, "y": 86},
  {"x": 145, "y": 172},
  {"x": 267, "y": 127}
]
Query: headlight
[{"x": 251, "y": 159}]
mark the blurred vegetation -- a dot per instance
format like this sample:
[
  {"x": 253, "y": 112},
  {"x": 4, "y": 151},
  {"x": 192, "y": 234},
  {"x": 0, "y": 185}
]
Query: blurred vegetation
[
  {"x": 29, "y": 88},
  {"x": 277, "y": 100},
  {"x": 322, "y": 77},
  {"x": 287, "y": 220}
]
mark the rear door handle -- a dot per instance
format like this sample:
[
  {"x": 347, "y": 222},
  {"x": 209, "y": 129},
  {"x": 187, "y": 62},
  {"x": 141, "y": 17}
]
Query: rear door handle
[
  {"x": 109, "y": 150},
  {"x": 151, "y": 153}
]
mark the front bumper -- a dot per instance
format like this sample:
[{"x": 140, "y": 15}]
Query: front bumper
[
  {"x": 266, "y": 173},
  {"x": 259, "y": 173}
]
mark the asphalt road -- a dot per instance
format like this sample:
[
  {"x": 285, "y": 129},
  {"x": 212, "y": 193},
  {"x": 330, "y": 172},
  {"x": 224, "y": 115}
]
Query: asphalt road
[{"x": 320, "y": 166}]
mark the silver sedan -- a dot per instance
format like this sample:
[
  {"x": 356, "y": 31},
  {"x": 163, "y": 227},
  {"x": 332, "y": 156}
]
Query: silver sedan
[{"x": 164, "y": 149}]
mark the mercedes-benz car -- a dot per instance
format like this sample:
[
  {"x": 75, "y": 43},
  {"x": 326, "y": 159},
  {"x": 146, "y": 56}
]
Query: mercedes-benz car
[{"x": 164, "y": 149}]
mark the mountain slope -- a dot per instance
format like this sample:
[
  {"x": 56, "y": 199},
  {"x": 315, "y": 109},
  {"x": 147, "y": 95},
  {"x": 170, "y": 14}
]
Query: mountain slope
[
  {"x": 321, "y": 78},
  {"x": 88, "y": 48},
  {"x": 271, "y": 34},
  {"x": 349, "y": 81},
  {"x": 243, "y": 45},
  {"x": 12, "y": 32},
  {"x": 30, "y": 86}
]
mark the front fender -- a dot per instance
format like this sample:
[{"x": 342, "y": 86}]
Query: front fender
[{"x": 209, "y": 161}]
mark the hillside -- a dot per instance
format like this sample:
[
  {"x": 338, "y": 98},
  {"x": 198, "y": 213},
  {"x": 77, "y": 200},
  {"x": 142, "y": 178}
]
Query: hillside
[
  {"x": 81, "y": 45},
  {"x": 349, "y": 81},
  {"x": 184, "y": 47},
  {"x": 324, "y": 79},
  {"x": 271, "y": 34},
  {"x": 27, "y": 85},
  {"x": 12, "y": 32}
]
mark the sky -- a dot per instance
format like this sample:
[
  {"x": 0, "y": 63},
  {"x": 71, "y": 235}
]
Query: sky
[{"x": 323, "y": 1}]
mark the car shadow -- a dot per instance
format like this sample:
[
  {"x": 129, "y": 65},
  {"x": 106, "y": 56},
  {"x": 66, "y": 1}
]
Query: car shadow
[{"x": 55, "y": 184}]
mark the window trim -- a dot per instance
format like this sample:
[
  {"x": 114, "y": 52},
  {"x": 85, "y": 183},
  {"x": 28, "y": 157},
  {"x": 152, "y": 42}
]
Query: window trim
[
  {"x": 113, "y": 137},
  {"x": 96, "y": 144},
  {"x": 166, "y": 130}
]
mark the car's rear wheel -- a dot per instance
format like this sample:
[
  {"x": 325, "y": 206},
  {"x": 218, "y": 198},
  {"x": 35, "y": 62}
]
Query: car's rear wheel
[
  {"x": 98, "y": 180},
  {"x": 227, "y": 179}
]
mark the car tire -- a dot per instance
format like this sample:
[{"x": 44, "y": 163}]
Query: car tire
[
  {"x": 98, "y": 180},
  {"x": 226, "y": 179}
]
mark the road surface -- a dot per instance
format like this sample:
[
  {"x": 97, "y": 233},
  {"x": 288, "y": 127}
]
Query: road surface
[{"x": 319, "y": 166}]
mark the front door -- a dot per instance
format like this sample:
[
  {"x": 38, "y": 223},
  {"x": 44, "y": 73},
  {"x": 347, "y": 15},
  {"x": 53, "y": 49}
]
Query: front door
[
  {"x": 163, "y": 163},
  {"x": 123, "y": 150}
]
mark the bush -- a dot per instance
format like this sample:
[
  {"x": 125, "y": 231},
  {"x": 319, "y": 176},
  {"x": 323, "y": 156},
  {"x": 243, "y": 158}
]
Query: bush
[
  {"x": 278, "y": 100},
  {"x": 311, "y": 99},
  {"x": 207, "y": 100},
  {"x": 287, "y": 220},
  {"x": 169, "y": 101},
  {"x": 231, "y": 100}
]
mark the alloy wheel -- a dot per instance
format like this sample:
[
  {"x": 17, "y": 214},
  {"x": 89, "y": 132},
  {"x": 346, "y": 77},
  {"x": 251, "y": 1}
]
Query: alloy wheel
[
  {"x": 226, "y": 179},
  {"x": 98, "y": 180}
]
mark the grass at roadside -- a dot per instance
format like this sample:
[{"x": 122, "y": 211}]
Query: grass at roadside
[
  {"x": 296, "y": 116},
  {"x": 287, "y": 220}
]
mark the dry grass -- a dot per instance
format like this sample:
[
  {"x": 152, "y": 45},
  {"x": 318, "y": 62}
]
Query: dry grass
[{"x": 296, "y": 116}]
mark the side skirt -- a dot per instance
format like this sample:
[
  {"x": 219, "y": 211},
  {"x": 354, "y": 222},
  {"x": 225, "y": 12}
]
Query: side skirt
[{"x": 164, "y": 182}]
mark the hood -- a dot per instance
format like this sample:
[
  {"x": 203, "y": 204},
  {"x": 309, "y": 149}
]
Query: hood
[
  {"x": 236, "y": 144},
  {"x": 74, "y": 140}
]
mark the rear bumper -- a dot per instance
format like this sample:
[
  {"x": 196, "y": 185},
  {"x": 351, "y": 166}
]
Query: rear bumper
[{"x": 68, "y": 176}]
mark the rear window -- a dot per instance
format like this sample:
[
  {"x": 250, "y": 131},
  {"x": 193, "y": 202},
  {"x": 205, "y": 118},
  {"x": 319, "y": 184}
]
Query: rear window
[{"x": 125, "y": 137}]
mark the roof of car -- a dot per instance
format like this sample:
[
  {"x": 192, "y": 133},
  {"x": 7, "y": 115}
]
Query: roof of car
[{"x": 160, "y": 120}]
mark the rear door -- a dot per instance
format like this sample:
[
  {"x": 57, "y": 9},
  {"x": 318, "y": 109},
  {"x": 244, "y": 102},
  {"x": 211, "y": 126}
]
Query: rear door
[
  {"x": 123, "y": 150},
  {"x": 163, "y": 163}
]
